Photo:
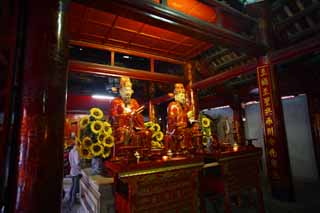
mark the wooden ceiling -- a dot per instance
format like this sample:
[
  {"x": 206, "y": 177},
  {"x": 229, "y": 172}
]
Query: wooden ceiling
[
  {"x": 225, "y": 45},
  {"x": 98, "y": 27}
]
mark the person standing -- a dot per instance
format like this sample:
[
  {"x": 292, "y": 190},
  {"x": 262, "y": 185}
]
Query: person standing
[{"x": 75, "y": 172}]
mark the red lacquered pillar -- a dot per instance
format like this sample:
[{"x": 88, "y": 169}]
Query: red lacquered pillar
[
  {"x": 40, "y": 158},
  {"x": 276, "y": 148}
]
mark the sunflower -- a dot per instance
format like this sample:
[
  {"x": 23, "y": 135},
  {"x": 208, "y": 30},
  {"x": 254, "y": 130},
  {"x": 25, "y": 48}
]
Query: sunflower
[
  {"x": 106, "y": 152},
  {"x": 86, "y": 142},
  {"x": 96, "y": 113},
  {"x": 96, "y": 149},
  {"x": 78, "y": 141},
  {"x": 106, "y": 124},
  {"x": 108, "y": 141},
  {"x": 107, "y": 129},
  {"x": 85, "y": 153},
  {"x": 84, "y": 122},
  {"x": 205, "y": 122},
  {"x": 158, "y": 136},
  {"x": 101, "y": 136},
  {"x": 96, "y": 126}
]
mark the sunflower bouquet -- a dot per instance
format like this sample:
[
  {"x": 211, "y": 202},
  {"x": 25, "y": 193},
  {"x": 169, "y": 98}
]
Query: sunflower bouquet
[
  {"x": 157, "y": 134},
  {"x": 96, "y": 138},
  {"x": 205, "y": 123}
]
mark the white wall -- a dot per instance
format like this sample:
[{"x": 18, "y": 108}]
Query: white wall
[
  {"x": 298, "y": 131},
  {"x": 253, "y": 128},
  {"x": 300, "y": 145}
]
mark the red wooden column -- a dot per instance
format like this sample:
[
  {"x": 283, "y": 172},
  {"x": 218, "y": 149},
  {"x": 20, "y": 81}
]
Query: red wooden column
[
  {"x": 39, "y": 165},
  {"x": 277, "y": 158}
]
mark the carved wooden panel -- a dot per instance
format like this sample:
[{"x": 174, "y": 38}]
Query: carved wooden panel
[{"x": 173, "y": 191}]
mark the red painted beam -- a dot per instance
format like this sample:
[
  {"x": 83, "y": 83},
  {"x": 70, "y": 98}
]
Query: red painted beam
[
  {"x": 92, "y": 68},
  {"x": 303, "y": 48},
  {"x": 211, "y": 81}
]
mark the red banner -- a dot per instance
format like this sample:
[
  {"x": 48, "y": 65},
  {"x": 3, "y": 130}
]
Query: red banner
[{"x": 268, "y": 116}]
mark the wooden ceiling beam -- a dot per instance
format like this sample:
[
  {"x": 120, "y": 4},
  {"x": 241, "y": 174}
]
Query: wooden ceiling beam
[
  {"x": 303, "y": 48},
  {"x": 166, "y": 18},
  {"x": 296, "y": 17},
  {"x": 92, "y": 68},
  {"x": 219, "y": 78},
  {"x": 126, "y": 51},
  {"x": 277, "y": 57},
  {"x": 231, "y": 62}
]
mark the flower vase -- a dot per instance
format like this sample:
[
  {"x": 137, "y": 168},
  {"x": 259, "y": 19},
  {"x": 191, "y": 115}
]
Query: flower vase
[{"x": 96, "y": 165}]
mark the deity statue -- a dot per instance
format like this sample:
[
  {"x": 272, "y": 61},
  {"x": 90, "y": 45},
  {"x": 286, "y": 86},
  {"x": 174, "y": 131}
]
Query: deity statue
[
  {"x": 126, "y": 119},
  {"x": 180, "y": 117}
]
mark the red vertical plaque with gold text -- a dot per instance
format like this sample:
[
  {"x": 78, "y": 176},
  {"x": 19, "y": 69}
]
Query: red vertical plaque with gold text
[{"x": 276, "y": 148}]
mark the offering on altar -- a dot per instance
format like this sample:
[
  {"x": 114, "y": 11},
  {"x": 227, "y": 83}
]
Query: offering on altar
[{"x": 157, "y": 135}]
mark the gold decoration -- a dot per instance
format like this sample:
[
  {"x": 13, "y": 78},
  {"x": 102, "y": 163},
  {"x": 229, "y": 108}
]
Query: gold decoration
[
  {"x": 158, "y": 136},
  {"x": 157, "y": 127}
]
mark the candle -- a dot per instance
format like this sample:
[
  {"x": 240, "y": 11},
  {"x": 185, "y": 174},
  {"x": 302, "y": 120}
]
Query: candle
[
  {"x": 164, "y": 158},
  {"x": 235, "y": 147}
]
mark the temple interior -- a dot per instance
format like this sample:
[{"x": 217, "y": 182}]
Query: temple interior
[{"x": 169, "y": 105}]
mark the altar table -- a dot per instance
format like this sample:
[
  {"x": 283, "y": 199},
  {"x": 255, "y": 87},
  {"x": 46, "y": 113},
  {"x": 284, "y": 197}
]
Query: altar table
[{"x": 157, "y": 186}]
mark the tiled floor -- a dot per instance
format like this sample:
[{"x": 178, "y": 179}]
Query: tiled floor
[
  {"x": 65, "y": 204},
  {"x": 307, "y": 201}
]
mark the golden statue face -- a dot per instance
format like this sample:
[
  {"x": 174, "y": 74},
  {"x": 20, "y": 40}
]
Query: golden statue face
[
  {"x": 178, "y": 87},
  {"x": 126, "y": 90},
  {"x": 179, "y": 93}
]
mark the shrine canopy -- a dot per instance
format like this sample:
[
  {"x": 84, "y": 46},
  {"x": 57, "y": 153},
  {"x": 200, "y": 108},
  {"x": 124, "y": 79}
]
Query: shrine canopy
[
  {"x": 174, "y": 29},
  {"x": 215, "y": 36}
]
